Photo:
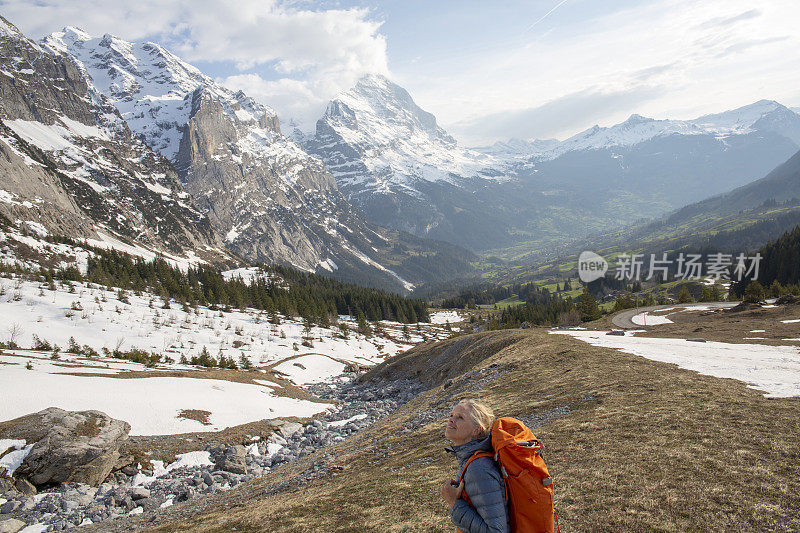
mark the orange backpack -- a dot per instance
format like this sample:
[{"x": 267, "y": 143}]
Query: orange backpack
[{"x": 529, "y": 487}]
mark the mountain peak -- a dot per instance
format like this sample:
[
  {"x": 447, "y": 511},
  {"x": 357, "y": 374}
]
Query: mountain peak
[
  {"x": 389, "y": 141},
  {"x": 746, "y": 118},
  {"x": 635, "y": 118},
  {"x": 9, "y": 30},
  {"x": 374, "y": 80},
  {"x": 76, "y": 33}
]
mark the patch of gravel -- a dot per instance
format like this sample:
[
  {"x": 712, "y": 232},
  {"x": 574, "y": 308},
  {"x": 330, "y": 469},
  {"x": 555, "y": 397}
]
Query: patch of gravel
[
  {"x": 127, "y": 493},
  {"x": 470, "y": 381}
]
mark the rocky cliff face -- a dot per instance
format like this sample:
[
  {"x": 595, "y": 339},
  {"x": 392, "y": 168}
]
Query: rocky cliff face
[
  {"x": 269, "y": 200},
  {"x": 70, "y": 162}
]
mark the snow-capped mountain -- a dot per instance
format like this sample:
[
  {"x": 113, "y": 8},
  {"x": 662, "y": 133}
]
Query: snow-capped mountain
[
  {"x": 764, "y": 116},
  {"x": 261, "y": 194},
  {"x": 392, "y": 160},
  {"x": 515, "y": 148},
  {"x": 71, "y": 164},
  {"x": 398, "y": 143},
  {"x": 152, "y": 88}
]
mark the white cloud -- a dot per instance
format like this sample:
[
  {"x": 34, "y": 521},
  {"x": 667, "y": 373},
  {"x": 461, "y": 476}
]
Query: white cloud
[
  {"x": 314, "y": 53},
  {"x": 689, "y": 56},
  {"x": 301, "y": 101}
]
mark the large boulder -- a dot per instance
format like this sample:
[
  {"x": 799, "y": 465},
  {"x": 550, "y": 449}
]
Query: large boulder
[
  {"x": 234, "y": 460},
  {"x": 285, "y": 428},
  {"x": 76, "y": 446}
]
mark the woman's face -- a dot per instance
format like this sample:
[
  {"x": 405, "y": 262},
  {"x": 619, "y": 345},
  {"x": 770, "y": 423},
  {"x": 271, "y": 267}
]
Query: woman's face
[{"x": 460, "y": 427}]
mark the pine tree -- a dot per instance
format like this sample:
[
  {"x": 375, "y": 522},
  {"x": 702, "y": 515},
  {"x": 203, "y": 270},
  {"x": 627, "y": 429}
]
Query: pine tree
[
  {"x": 363, "y": 326},
  {"x": 754, "y": 292},
  {"x": 588, "y": 307},
  {"x": 684, "y": 296}
]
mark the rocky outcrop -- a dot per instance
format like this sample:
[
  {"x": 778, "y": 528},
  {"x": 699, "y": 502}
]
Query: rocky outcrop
[
  {"x": 11, "y": 525},
  {"x": 71, "y": 163},
  {"x": 233, "y": 460},
  {"x": 69, "y": 446}
]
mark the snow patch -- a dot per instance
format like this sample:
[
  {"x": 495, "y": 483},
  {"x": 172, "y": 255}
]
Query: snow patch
[
  {"x": 646, "y": 319},
  {"x": 773, "y": 369}
]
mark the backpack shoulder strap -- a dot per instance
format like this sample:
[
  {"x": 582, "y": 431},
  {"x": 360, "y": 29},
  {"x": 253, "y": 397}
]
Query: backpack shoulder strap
[{"x": 474, "y": 456}]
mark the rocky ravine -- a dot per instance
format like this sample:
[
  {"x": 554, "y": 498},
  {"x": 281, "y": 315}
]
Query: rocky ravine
[{"x": 130, "y": 490}]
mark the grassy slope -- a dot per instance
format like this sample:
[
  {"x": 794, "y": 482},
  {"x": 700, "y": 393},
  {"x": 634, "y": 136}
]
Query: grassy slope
[{"x": 634, "y": 445}]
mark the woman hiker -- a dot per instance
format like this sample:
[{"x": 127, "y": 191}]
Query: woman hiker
[{"x": 477, "y": 498}]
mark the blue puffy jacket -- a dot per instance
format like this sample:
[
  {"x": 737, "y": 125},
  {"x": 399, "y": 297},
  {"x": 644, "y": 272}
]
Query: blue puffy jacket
[{"x": 484, "y": 485}]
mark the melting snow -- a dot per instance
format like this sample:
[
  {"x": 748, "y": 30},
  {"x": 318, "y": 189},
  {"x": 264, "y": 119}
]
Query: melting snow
[
  {"x": 646, "y": 319},
  {"x": 773, "y": 369}
]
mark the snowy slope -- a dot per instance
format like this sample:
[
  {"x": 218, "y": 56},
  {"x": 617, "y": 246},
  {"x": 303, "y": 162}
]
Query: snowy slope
[
  {"x": 96, "y": 317},
  {"x": 152, "y": 88},
  {"x": 33, "y": 313},
  {"x": 69, "y": 154}
]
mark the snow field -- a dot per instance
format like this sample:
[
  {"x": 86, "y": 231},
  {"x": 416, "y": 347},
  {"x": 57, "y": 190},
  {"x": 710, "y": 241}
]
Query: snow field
[
  {"x": 772, "y": 369},
  {"x": 310, "y": 368},
  {"x": 151, "y": 405},
  {"x": 96, "y": 317}
]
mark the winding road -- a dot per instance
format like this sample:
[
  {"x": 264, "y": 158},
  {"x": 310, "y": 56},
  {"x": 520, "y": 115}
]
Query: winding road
[{"x": 623, "y": 318}]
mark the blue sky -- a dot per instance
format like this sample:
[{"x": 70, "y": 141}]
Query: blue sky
[{"x": 487, "y": 70}]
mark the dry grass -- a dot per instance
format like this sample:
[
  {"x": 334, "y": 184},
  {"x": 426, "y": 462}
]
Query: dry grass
[
  {"x": 196, "y": 414},
  {"x": 633, "y": 445},
  {"x": 89, "y": 427}
]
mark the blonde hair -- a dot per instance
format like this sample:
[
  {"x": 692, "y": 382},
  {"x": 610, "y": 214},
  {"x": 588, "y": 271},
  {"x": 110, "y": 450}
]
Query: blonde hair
[{"x": 481, "y": 414}]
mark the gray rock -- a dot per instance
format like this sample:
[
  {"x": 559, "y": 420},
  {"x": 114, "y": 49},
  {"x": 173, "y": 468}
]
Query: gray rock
[
  {"x": 234, "y": 460},
  {"x": 7, "y": 486},
  {"x": 286, "y": 429},
  {"x": 103, "y": 489},
  {"x": 10, "y": 506},
  {"x": 70, "y": 446},
  {"x": 24, "y": 486},
  {"x": 138, "y": 493},
  {"x": 238, "y": 450},
  {"x": 127, "y": 502},
  {"x": 11, "y": 525},
  {"x": 150, "y": 504}
]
